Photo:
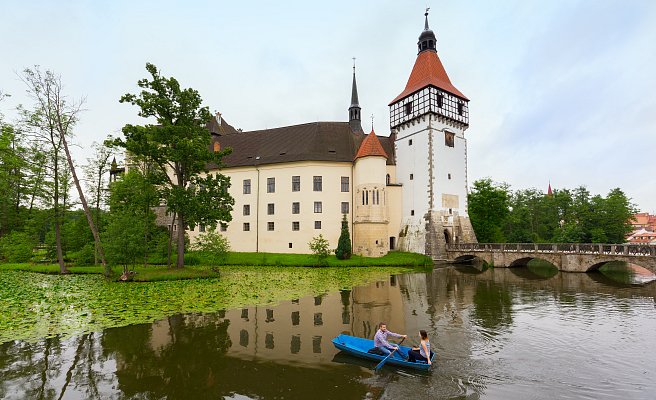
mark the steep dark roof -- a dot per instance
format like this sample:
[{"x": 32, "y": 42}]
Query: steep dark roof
[
  {"x": 314, "y": 141},
  {"x": 223, "y": 128}
]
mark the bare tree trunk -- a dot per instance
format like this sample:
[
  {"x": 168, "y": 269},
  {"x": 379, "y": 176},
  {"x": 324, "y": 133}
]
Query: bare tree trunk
[
  {"x": 168, "y": 257},
  {"x": 181, "y": 236},
  {"x": 58, "y": 244},
  {"x": 85, "y": 206}
]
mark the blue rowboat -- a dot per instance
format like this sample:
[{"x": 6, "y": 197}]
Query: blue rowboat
[{"x": 359, "y": 347}]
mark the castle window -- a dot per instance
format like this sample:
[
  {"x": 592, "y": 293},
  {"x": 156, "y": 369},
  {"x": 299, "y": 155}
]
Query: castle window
[
  {"x": 408, "y": 108},
  {"x": 440, "y": 100},
  {"x": 296, "y": 183},
  {"x": 247, "y": 209},
  {"x": 318, "y": 207},
  {"x": 449, "y": 139},
  {"x": 271, "y": 185},
  {"x": 449, "y": 176},
  {"x": 412, "y": 176},
  {"x": 461, "y": 107},
  {"x": 387, "y": 179},
  {"x": 317, "y": 224},
  {"x": 217, "y": 147},
  {"x": 412, "y": 212},
  {"x": 296, "y": 208},
  {"x": 296, "y": 226},
  {"x": 345, "y": 207},
  {"x": 366, "y": 197},
  {"x": 271, "y": 226},
  {"x": 247, "y": 227},
  {"x": 410, "y": 142},
  {"x": 345, "y": 183},
  {"x": 316, "y": 183},
  {"x": 271, "y": 209},
  {"x": 201, "y": 228},
  {"x": 224, "y": 227},
  {"x": 247, "y": 186}
]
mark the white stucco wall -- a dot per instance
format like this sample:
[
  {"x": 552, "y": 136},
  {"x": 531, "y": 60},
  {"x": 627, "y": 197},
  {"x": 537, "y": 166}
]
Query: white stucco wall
[{"x": 259, "y": 238}]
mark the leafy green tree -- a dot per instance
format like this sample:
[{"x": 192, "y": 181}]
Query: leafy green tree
[
  {"x": 618, "y": 213},
  {"x": 179, "y": 146},
  {"x": 320, "y": 248},
  {"x": 133, "y": 196},
  {"x": 488, "y": 210},
  {"x": 212, "y": 242},
  {"x": 123, "y": 239},
  {"x": 344, "y": 251}
]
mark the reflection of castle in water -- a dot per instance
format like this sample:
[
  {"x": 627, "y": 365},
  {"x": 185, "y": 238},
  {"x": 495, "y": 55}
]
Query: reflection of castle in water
[{"x": 301, "y": 330}]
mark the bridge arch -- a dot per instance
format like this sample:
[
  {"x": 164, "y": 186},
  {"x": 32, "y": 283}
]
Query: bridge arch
[
  {"x": 525, "y": 260},
  {"x": 595, "y": 264}
]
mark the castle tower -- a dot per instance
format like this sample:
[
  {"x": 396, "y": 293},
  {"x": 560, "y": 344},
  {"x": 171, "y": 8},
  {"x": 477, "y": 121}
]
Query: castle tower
[
  {"x": 370, "y": 202},
  {"x": 429, "y": 119}
]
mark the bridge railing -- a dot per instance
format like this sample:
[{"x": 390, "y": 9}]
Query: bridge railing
[{"x": 639, "y": 250}]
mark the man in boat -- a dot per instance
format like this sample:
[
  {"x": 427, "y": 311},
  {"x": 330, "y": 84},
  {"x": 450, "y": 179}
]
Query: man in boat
[{"x": 380, "y": 340}]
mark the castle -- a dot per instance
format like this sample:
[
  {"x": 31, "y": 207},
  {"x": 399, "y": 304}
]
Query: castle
[{"x": 407, "y": 191}]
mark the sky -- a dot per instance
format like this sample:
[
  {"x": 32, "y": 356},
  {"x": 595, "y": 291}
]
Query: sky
[{"x": 561, "y": 91}]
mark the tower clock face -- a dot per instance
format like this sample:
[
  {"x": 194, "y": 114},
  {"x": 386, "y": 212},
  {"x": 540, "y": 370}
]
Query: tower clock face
[{"x": 429, "y": 100}]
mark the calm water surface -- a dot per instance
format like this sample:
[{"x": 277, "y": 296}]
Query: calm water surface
[{"x": 499, "y": 334}]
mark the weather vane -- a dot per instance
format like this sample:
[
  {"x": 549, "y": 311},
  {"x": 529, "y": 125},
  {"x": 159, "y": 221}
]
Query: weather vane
[
  {"x": 372, "y": 122},
  {"x": 353, "y": 64}
]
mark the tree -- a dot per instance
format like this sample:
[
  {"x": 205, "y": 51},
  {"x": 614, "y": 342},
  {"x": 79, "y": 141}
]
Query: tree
[
  {"x": 488, "y": 210},
  {"x": 179, "y": 146},
  {"x": 320, "y": 248},
  {"x": 58, "y": 117},
  {"x": 132, "y": 197},
  {"x": 95, "y": 172},
  {"x": 343, "y": 251}
]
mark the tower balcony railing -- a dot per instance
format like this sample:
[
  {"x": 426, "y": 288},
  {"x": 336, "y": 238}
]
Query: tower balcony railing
[{"x": 561, "y": 248}]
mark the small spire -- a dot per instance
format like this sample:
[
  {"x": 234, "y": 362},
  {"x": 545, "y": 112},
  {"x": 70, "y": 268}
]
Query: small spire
[
  {"x": 354, "y": 109},
  {"x": 372, "y": 122},
  {"x": 427, "y": 39}
]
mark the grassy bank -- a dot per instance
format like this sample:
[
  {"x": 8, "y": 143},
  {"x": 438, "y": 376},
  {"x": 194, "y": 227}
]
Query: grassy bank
[
  {"x": 392, "y": 259},
  {"x": 202, "y": 265}
]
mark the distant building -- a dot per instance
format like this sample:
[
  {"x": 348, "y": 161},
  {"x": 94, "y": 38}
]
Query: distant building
[
  {"x": 644, "y": 221},
  {"x": 642, "y": 236}
]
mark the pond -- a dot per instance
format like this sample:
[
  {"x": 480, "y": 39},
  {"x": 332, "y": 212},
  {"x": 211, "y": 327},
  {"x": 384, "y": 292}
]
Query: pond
[{"x": 499, "y": 334}]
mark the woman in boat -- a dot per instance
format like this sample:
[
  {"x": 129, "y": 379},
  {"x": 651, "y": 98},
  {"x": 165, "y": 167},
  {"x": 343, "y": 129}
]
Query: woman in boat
[{"x": 423, "y": 352}]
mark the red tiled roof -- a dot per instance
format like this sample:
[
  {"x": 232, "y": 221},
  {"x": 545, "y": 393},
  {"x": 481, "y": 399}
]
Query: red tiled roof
[
  {"x": 371, "y": 147},
  {"x": 428, "y": 70}
]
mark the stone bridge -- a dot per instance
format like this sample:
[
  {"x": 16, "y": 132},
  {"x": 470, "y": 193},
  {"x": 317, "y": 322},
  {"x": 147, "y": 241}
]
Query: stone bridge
[{"x": 568, "y": 257}]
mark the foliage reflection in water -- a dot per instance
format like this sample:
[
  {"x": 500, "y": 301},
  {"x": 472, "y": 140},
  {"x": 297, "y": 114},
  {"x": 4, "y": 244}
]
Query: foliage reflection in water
[{"x": 497, "y": 334}]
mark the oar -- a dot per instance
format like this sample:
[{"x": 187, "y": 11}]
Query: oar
[{"x": 380, "y": 364}]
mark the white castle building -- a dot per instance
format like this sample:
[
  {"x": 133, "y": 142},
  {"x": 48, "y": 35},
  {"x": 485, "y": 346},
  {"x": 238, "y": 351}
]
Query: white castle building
[{"x": 407, "y": 191}]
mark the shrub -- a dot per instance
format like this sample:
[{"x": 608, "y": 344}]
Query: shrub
[
  {"x": 16, "y": 247},
  {"x": 343, "y": 251},
  {"x": 212, "y": 242},
  {"x": 320, "y": 248}
]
